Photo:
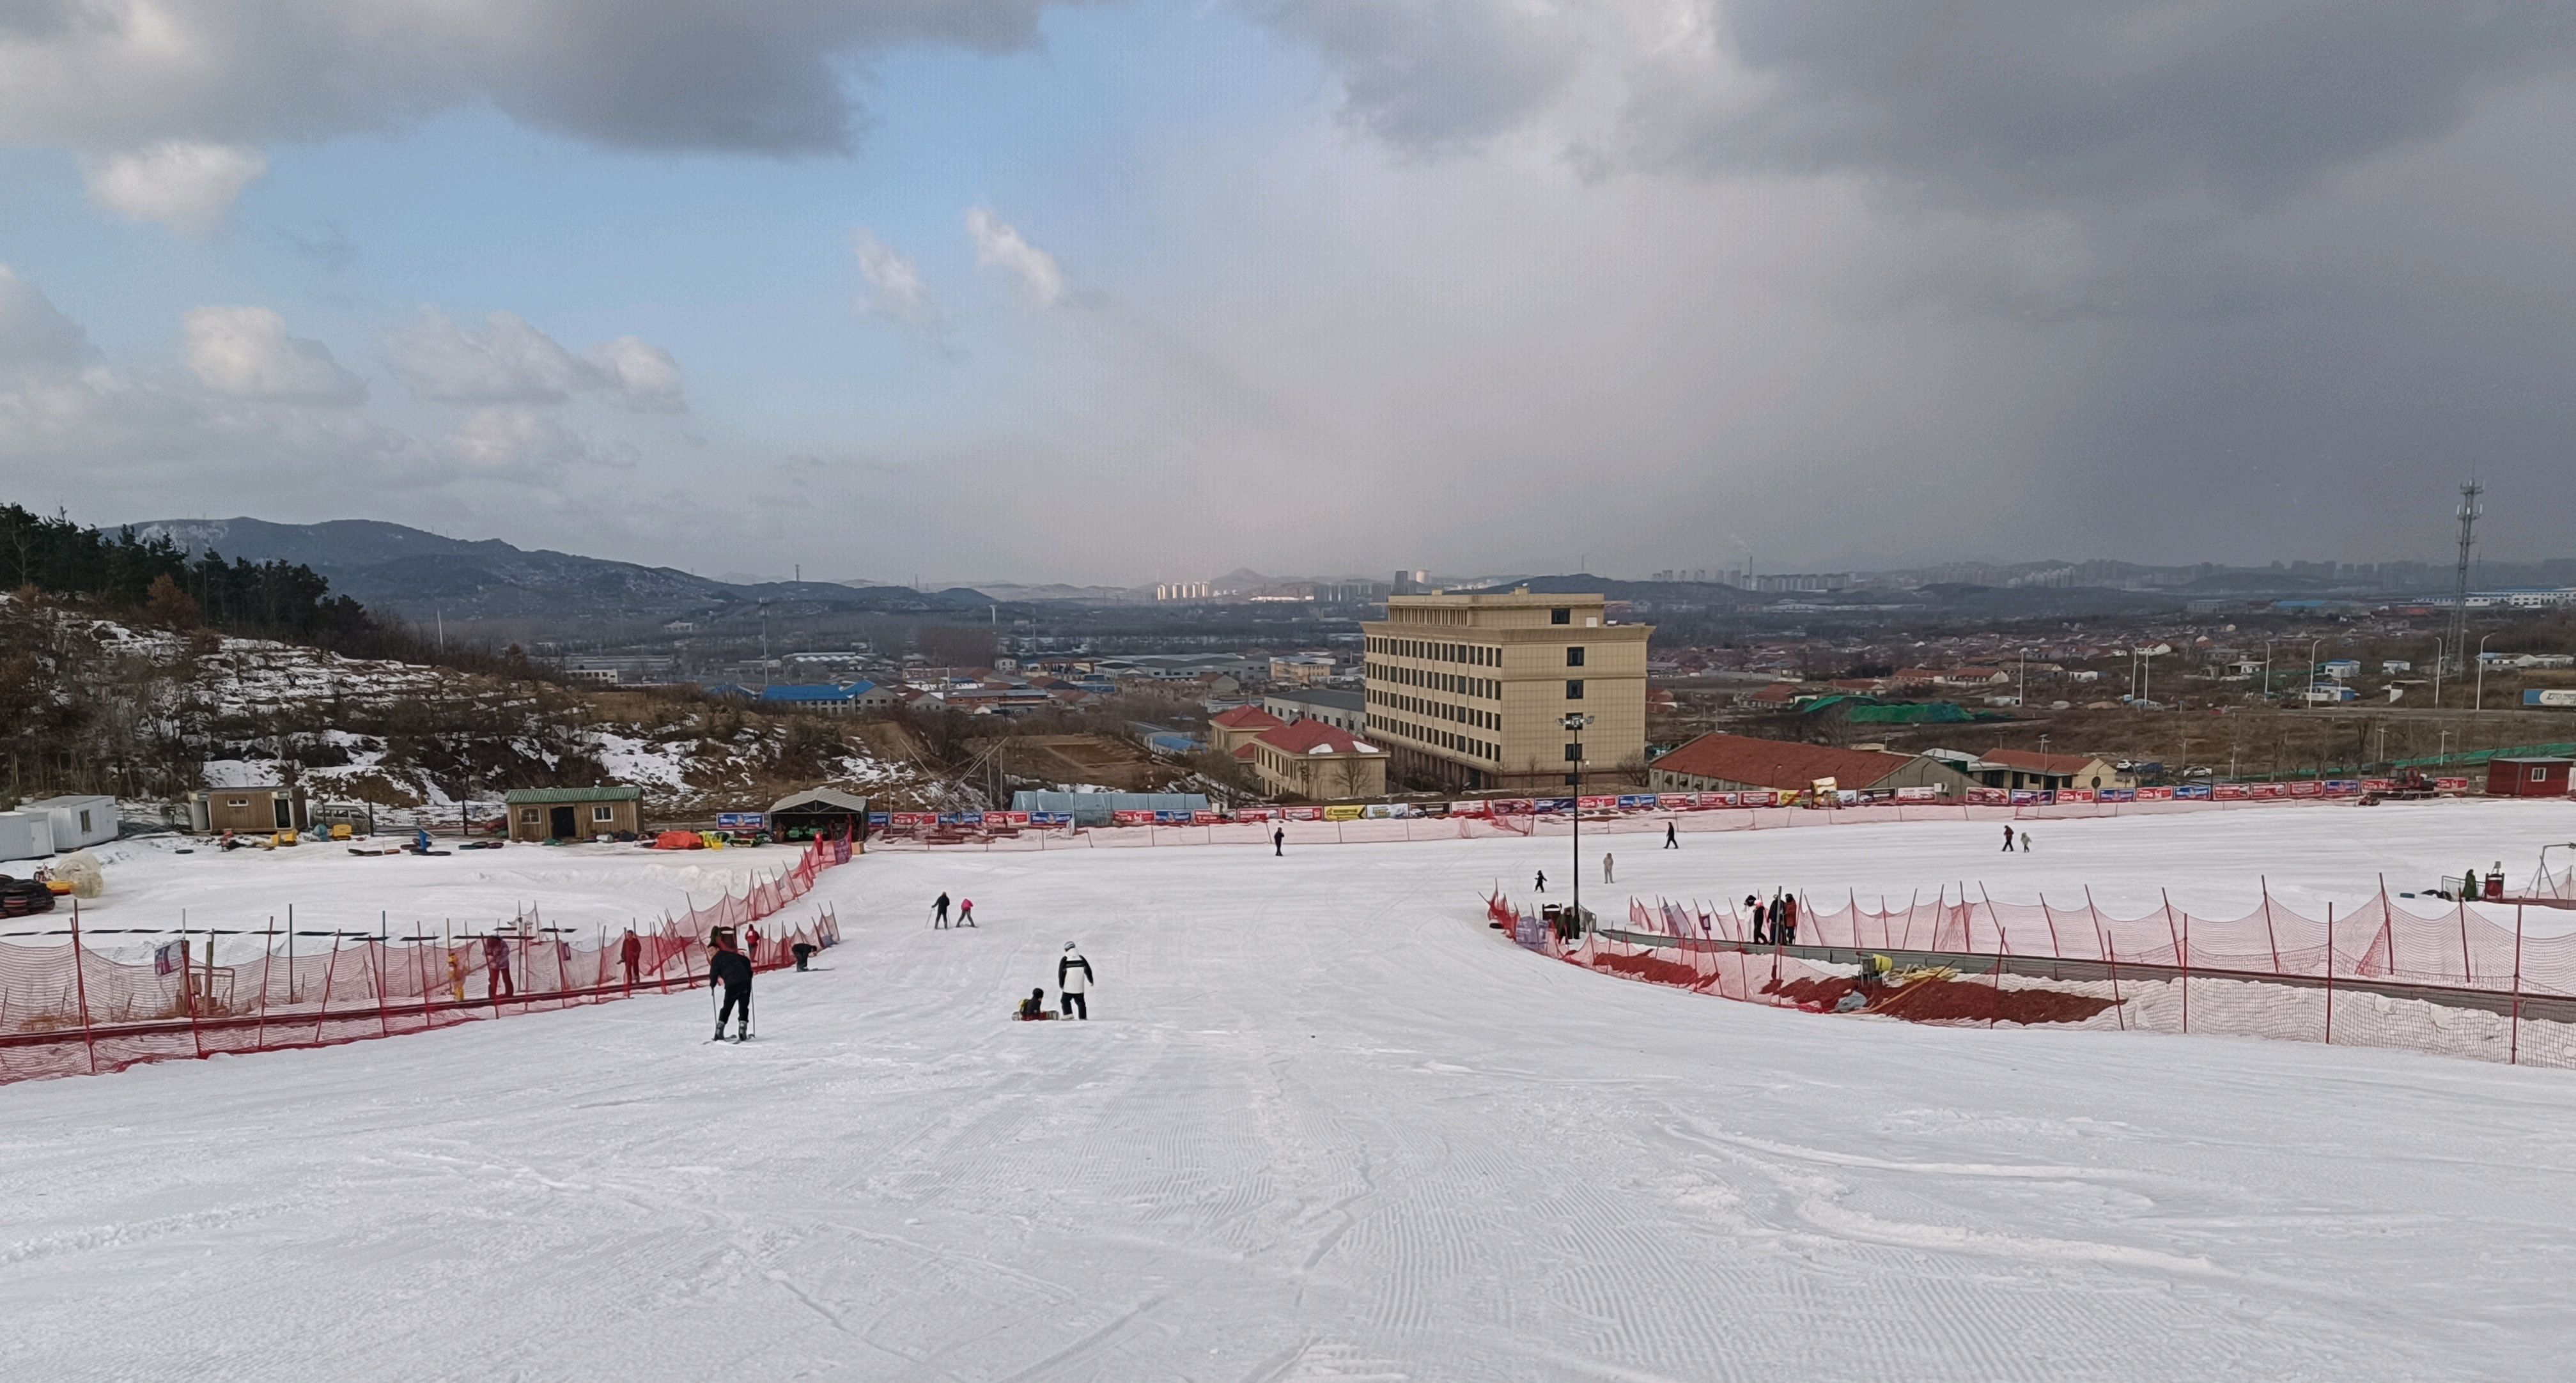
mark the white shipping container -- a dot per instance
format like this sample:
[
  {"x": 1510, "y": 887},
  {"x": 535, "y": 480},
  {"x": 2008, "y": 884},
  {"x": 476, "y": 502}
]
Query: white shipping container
[
  {"x": 26, "y": 835},
  {"x": 78, "y": 821}
]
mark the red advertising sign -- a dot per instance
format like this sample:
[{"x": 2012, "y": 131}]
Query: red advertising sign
[
  {"x": 1255, "y": 813},
  {"x": 1006, "y": 818},
  {"x": 2155, "y": 794},
  {"x": 913, "y": 819},
  {"x": 2075, "y": 794},
  {"x": 1206, "y": 818},
  {"x": 1132, "y": 818},
  {"x": 2450, "y": 785},
  {"x": 2379, "y": 785},
  {"x": 2311, "y": 788},
  {"x": 1598, "y": 804},
  {"x": 2230, "y": 792},
  {"x": 1302, "y": 813},
  {"x": 2268, "y": 791}
]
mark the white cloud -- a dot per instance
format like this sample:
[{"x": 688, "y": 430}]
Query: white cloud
[
  {"x": 895, "y": 285},
  {"x": 512, "y": 362},
  {"x": 244, "y": 352},
  {"x": 521, "y": 443},
  {"x": 187, "y": 186},
  {"x": 637, "y": 374},
  {"x": 998, "y": 245}
]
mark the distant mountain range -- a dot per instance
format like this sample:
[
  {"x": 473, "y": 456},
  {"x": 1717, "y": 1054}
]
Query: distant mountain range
[{"x": 420, "y": 575}]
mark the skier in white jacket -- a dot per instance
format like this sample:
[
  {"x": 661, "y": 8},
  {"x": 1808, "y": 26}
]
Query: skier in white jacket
[{"x": 1073, "y": 978}]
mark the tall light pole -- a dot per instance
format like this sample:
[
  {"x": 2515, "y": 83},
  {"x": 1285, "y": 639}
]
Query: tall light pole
[
  {"x": 2478, "y": 701},
  {"x": 1574, "y": 723},
  {"x": 2267, "y": 672},
  {"x": 2440, "y": 656},
  {"x": 2313, "y": 645}
]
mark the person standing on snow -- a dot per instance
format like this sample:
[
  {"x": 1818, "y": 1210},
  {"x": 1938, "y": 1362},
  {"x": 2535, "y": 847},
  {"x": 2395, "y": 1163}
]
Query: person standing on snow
[
  {"x": 1786, "y": 929},
  {"x": 2008, "y": 835},
  {"x": 1542, "y": 881},
  {"x": 1605, "y": 867},
  {"x": 2025, "y": 842},
  {"x": 1761, "y": 919},
  {"x": 732, "y": 969},
  {"x": 1278, "y": 841},
  {"x": 1672, "y": 840},
  {"x": 496, "y": 969},
  {"x": 939, "y": 912},
  {"x": 1073, "y": 981},
  {"x": 966, "y": 912},
  {"x": 630, "y": 953}
]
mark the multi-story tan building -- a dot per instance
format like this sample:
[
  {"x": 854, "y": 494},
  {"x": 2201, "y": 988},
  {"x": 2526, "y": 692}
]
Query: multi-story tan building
[{"x": 1472, "y": 691}]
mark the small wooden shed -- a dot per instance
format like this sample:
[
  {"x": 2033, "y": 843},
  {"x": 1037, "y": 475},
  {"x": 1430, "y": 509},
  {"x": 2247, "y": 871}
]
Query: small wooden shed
[
  {"x": 2528, "y": 776},
  {"x": 542, "y": 814}
]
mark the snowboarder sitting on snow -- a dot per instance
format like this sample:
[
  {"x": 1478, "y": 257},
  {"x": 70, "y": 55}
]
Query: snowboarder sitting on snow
[
  {"x": 1033, "y": 1009},
  {"x": 732, "y": 969},
  {"x": 1073, "y": 978}
]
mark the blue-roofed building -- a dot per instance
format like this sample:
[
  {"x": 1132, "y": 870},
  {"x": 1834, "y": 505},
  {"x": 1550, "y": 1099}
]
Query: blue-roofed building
[{"x": 837, "y": 698}]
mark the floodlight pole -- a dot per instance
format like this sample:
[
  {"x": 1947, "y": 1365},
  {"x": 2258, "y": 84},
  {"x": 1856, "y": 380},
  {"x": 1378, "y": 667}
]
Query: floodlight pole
[
  {"x": 2478, "y": 702},
  {"x": 1575, "y": 722}
]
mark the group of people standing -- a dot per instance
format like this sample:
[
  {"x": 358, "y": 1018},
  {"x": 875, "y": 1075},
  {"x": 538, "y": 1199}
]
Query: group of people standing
[{"x": 1774, "y": 923}]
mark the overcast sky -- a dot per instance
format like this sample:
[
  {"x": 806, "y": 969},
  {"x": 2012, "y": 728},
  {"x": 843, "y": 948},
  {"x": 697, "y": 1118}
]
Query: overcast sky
[{"x": 1003, "y": 289}]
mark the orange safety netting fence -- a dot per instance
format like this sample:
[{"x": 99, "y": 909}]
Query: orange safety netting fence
[
  {"x": 2485, "y": 981},
  {"x": 71, "y": 1009}
]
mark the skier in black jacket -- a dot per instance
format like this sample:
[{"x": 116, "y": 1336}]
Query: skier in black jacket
[{"x": 732, "y": 969}]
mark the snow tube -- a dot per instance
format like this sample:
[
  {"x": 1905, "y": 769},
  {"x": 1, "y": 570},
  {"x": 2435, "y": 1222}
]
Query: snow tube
[{"x": 678, "y": 840}]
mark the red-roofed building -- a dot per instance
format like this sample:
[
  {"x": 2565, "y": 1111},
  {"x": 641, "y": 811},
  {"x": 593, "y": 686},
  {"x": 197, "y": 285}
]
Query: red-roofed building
[
  {"x": 1232, "y": 732},
  {"x": 1318, "y": 762},
  {"x": 1779, "y": 696},
  {"x": 1730, "y": 763}
]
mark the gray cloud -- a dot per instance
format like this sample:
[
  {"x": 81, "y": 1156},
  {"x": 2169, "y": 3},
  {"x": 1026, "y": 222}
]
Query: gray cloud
[
  {"x": 647, "y": 74},
  {"x": 512, "y": 362},
  {"x": 1438, "y": 74}
]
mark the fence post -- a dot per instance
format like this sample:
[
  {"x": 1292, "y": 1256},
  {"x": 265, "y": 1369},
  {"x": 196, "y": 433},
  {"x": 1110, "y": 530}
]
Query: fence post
[
  {"x": 1998, "y": 1013},
  {"x": 188, "y": 980},
  {"x": 329, "y": 968},
  {"x": 377, "y": 952},
  {"x": 268, "y": 952},
  {"x": 80, "y": 986},
  {"x": 2182, "y": 956},
  {"x": 2513, "y": 1053},
  {"x": 2467, "y": 978},
  {"x": 2329, "y": 974},
  {"x": 2268, "y": 934}
]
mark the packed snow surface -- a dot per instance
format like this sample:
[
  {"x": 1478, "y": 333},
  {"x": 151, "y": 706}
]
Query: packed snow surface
[{"x": 1324, "y": 1125}]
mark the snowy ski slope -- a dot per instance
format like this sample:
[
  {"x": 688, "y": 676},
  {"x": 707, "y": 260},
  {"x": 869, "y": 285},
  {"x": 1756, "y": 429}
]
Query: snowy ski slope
[{"x": 1327, "y": 1126}]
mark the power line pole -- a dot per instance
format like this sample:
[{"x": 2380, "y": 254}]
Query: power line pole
[{"x": 2469, "y": 513}]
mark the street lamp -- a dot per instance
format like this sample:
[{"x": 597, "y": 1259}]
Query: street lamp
[
  {"x": 2313, "y": 645},
  {"x": 2440, "y": 657},
  {"x": 2478, "y": 701},
  {"x": 1574, "y": 723}
]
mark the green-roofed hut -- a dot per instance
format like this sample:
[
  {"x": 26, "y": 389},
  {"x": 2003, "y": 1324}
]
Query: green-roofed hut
[{"x": 543, "y": 814}]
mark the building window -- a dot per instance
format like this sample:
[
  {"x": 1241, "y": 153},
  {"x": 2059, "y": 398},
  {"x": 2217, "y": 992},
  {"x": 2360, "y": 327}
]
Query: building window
[
  {"x": 528, "y": 817},
  {"x": 1574, "y": 689},
  {"x": 1574, "y": 656},
  {"x": 603, "y": 813},
  {"x": 1560, "y": 615}
]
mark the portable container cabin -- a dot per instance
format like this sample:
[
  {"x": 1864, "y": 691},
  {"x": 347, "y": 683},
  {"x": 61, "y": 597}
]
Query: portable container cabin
[
  {"x": 2528, "y": 777},
  {"x": 543, "y": 814},
  {"x": 252, "y": 810},
  {"x": 78, "y": 821},
  {"x": 26, "y": 835}
]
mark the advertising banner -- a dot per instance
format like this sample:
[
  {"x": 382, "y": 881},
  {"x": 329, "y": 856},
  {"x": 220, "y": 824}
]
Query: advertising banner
[
  {"x": 915, "y": 819},
  {"x": 1636, "y": 802},
  {"x": 2155, "y": 794},
  {"x": 1988, "y": 797},
  {"x": 1256, "y": 813},
  {"x": 2379, "y": 785},
  {"x": 880, "y": 818},
  {"x": 169, "y": 957},
  {"x": 2268, "y": 792},
  {"x": 1132, "y": 818},
  {"x": 1924, "y": 794},
  {"x": 1515, "y": 806},
  {"x": 1302, "y": 813},
  {"x": 1050, "y": 818},
  {"x": 2075, "y": 795},
  {"x": 741, "y": 821},
  {"x": 2194, "y": 792},
  {"x": 1600, "y": 804},
  {"x": 1342, "y": 813},
  {"x": 2343, "y": 787},
  {"x": 2027, "y": 797},
  {"x": 1381, "y": 811},
  {"x": 1206, "y": 818},
  {"x": 2308, "y": 789},
  {"x": 1547, "y": 805},
  {"x": 1173, "y": 818},
  {"x": 2230, "y": 792},
  {"x": 2116, "y": 795},
  {"x": 2450, "y": 785}
]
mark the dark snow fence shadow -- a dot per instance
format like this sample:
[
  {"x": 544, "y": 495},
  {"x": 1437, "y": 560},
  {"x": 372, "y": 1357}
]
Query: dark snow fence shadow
[
  {"x": 66, "y": 1009},
  {"x": 2472, "y": 982}
]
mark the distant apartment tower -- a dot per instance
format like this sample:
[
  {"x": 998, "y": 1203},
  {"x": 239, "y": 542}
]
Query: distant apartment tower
[
  {"x": 1471, "y": 691},
  {"x": 1185, "y": 590},
  {"x": 1412, "y": 582}
]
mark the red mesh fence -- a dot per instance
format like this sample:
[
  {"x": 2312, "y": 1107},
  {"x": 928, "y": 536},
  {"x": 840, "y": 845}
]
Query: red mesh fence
[
  {"x": 68, "y": 1009},
  {"x": 2482, "y": 981}
]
